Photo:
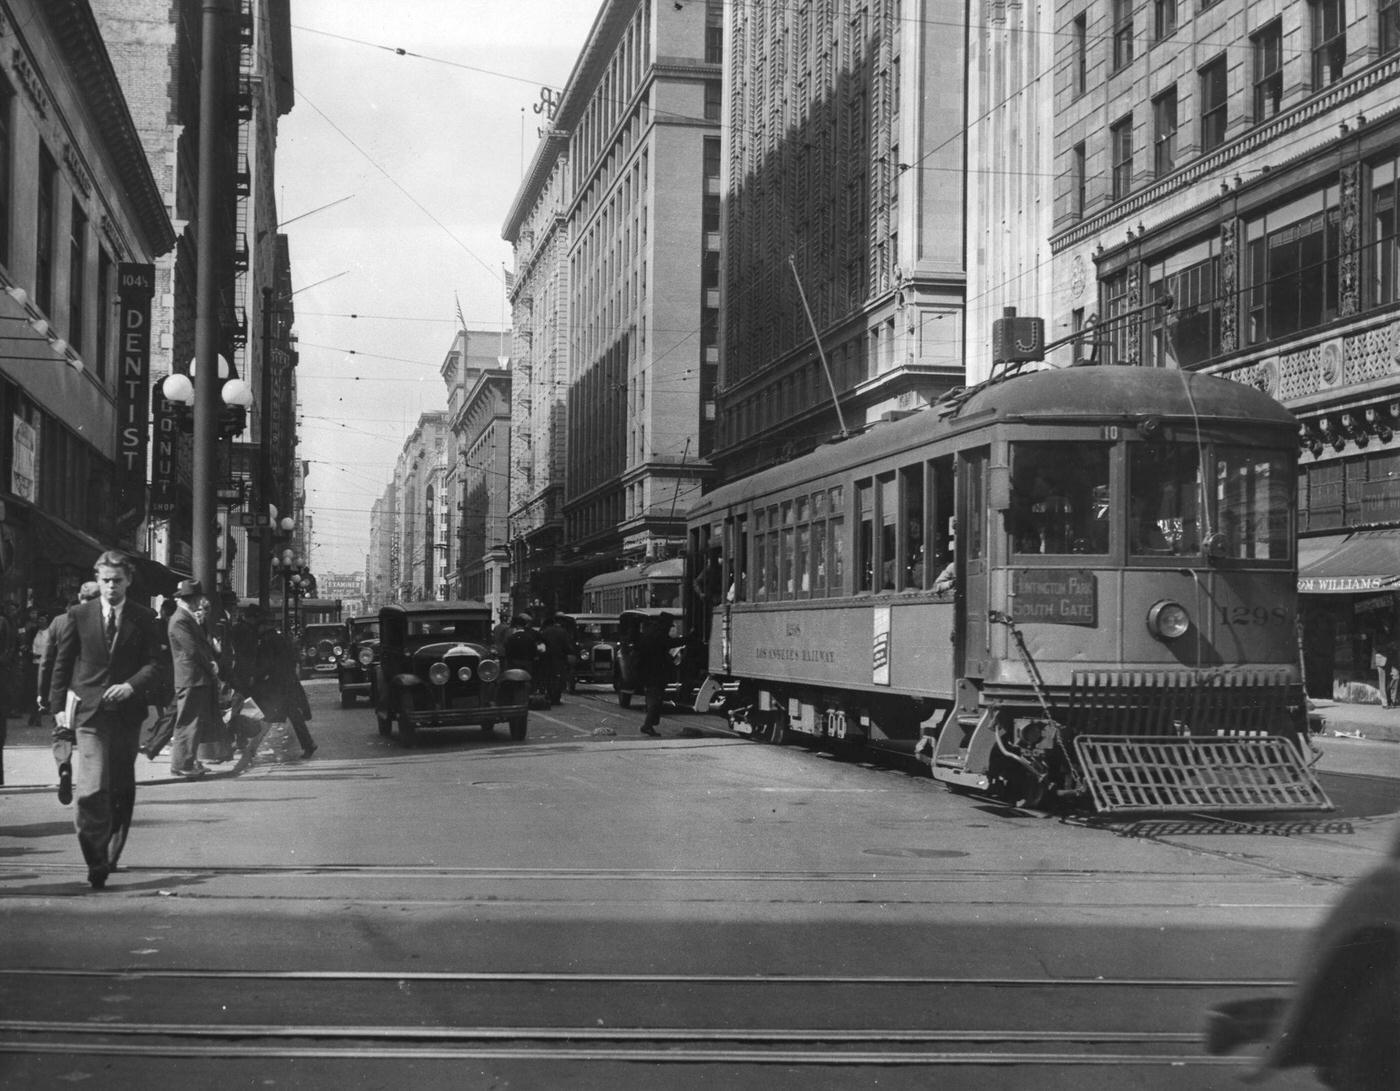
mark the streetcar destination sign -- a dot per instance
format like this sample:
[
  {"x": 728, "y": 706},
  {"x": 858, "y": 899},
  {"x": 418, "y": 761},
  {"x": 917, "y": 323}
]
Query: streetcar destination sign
[{"x": 1054, "y": 596}]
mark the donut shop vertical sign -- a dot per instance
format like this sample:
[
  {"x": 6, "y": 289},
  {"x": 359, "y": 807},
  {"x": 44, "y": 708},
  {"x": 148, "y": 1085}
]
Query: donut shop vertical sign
[{"x": 136, "y": 285}]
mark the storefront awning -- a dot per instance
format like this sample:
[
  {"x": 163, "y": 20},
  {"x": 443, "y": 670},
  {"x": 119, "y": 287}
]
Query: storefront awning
[{"x": 1350, "y": 564}]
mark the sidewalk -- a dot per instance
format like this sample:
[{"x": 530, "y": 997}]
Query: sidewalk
[
  {"x": 1358, "y": 721},
  {"x": 29, "y": 764}
]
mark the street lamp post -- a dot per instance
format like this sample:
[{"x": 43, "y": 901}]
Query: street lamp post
[{"x": 206, "y": 408}]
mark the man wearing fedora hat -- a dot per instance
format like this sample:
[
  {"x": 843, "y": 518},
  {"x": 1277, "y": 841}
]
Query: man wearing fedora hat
[
  {"x": 196, "y": 677},
  {"x": 107, "y": 660}
]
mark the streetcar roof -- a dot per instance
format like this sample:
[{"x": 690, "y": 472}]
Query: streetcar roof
[
  {"x": 669, "y": 569},
  {"x": 1061, "y": 395}
]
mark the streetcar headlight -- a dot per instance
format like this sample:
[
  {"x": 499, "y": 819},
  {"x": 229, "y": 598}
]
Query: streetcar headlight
[
  {"x": 1168, "y": 620},
  {"x": 438, "y": 674},
  {"x": 464, "y": 674},
  {"x": 489, "y": 670}
]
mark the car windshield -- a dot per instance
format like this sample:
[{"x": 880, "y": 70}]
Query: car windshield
[
  {"x": 313, "y": 633},
  {"x": 598, "y": 630},
  {"x": 475, "y": 629},
  {"x": 364, "y": 630}
]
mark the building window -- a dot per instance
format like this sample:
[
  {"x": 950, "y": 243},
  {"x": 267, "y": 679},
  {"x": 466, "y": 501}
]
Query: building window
[
  {"x": 1121, "y": 142},
  {"x": 1122, "y": 33},
  {"x": 1188, "y": 332},
  {"x": 1163, "y": 19},
  {"x": 714, "y": 33},
  {"x": 713, "y": 100},
  {"x": 77, "y": 277},
  {"x": 1291, "y": 265},
  {"x": 1081, "y": 53},
  {"x": 105, "y": 273},
  {"x": 1214, "y": 105},
  {"x": 1389, "y": 16},
  {"x": 7, "y": 99},
  {"x": 43, "y": 244},
  {"x": 1385, "y": 253},
  {"x": 1078, "y": 180},
  {"x": 1164, "y": 133},
  {"x": 1329, "y": 42},
  {"x": 1268, "y": 70}
]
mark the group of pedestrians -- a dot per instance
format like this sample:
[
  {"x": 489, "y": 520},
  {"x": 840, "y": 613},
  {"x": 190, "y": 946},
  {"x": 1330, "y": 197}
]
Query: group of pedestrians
[
  {"x": 546, "y": 653},
  {"x": 109, "y": 659}
]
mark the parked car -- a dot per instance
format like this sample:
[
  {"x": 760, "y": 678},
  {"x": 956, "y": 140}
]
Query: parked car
[
  {"x": 438, "y": 668},
  {"x": 686, "y": 673},
  {"x": 322, "y": 645},
  {"x": 356, "y": 666},
  {"x": 595, "y": 637}
]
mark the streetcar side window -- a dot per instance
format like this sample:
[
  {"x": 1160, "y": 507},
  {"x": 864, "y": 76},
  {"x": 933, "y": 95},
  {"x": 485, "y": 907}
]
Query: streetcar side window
[
  {"x": 975, "y": 503},
  {"x": 760, "y": 560},
  {"x": 774, "y": 559},
  {"x": 1060, "y": 499},
  {"x": 739, "y": 559},
  {"x": 1164, "y": 502},
  {"x": 802, "y": 554},
  {"x": 836, "y": 544},
  {"x": 1254, "y": 503},
  {"x": 789, "y": 555},
  {"x": 889, "y": 529},
  {"x": 865, "y": 535},
  {"x": 819, "y": 532},
  {"x": 911, "y": 497}
]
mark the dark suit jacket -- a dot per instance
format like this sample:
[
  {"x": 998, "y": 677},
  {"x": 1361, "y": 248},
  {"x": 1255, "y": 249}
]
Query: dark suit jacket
[
  {"x": 84, "y": 664},
  {"x": 46, "y": 661},
  {"x": 191, "y": 651}
]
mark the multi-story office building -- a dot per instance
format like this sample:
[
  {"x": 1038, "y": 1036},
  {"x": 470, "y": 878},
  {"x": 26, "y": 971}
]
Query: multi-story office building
[
  {"x": 382, "y": 560},
  {"x": 78, "y": 201},
  {"x": 480, "y": 423},
  {"x": 843, "y": 213},
  {"x": 418, "y": 488},
  {"x": 1225, "y": 196},
  {"x": 156, "y": 48},
  {"x": 615, "y": 300}
]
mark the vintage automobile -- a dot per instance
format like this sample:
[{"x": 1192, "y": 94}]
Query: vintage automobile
[
  {"x": 322, "y": 645},
  {"x": 356, "y": 666},
  {"x": 595, "y": 637},
  {"x": 685, "y": 673},
  {"x": 437, "y": 668}
]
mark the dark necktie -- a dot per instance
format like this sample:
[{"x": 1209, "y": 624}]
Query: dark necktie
[{"x": 111, "y": 627}]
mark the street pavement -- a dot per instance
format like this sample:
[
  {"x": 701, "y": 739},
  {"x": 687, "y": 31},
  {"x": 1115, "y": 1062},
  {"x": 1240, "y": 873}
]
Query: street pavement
[{"x": 303, "y": 923}]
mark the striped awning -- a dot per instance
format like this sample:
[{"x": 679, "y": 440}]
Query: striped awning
[{"x": 1350, "y": 564}]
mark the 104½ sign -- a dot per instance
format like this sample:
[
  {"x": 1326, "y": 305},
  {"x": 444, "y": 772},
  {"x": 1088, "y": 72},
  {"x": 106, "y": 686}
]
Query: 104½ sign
[{"x": 1054, "y": 596}]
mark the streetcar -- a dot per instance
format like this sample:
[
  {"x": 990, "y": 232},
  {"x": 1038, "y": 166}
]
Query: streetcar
[
  {"x": 657, "y": 583},
  {"x": 1071, "y": 587}
]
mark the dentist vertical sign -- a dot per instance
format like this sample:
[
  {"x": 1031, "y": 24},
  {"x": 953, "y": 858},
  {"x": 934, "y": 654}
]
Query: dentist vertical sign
[{"x": 136, "y": 286}]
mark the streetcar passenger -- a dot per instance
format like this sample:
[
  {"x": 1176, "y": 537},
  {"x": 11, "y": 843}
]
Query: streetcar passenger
[{"x": 946, "y": 580}]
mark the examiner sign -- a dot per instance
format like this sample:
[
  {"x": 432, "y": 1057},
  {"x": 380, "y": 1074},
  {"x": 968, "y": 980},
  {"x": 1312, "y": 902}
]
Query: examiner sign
[{"x": 1054, "y": 596}]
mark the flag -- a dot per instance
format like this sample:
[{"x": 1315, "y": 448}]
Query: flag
[
  {"x": 510, "y": 279},
  {"x": 460, "y": 320}
]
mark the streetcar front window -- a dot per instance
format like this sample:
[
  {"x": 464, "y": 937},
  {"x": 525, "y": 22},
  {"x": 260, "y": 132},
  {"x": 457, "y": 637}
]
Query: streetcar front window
[
  {"x": 1164, "y": 499},
  {"x": 1254, "y": 503},
  {"x": 1060, "y": 498}
]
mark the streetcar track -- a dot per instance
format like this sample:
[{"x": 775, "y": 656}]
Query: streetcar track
[
  {"x": 554, "y": 977},
  {"x": 824, "y": 1058}
]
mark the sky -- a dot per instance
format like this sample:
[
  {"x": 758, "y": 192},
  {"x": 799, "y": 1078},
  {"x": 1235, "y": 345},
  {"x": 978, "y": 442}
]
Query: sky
[{"x": 395, "y": 173}]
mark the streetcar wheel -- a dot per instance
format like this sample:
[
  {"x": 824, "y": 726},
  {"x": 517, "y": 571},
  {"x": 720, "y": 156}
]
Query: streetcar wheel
[{"x": 518, "y": 726}]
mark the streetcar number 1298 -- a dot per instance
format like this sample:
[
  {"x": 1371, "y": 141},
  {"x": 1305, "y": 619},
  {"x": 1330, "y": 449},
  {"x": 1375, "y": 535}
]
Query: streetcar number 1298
[{"x": 1252, "y": 615}]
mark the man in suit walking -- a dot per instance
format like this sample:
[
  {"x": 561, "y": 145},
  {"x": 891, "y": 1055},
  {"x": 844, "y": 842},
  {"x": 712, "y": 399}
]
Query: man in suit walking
[
  {"x": 196, "y": 674},
  {"x": 107, "y": 658}
]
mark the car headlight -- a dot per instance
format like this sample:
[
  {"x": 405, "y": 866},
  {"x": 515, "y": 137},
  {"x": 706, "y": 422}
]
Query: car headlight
[
  {"x": 337, "y": 650},
  {"x": 464, "y": 674},
  {"x": 438, "y": 674},
  {"x": 366, "y": 656},
  {"x": 1168, "y": 620},
  {"x": 489, "y": 670}
]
